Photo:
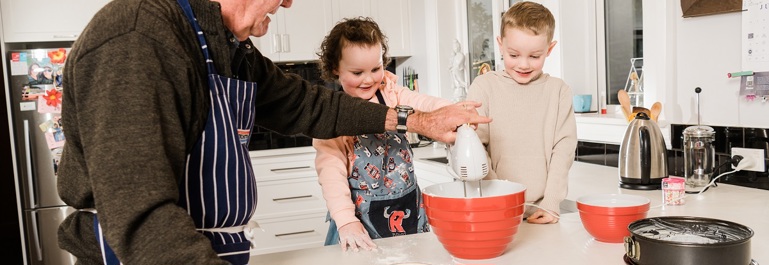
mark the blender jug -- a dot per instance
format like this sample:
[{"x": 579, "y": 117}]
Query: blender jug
[{"x": 699, "y": 155}]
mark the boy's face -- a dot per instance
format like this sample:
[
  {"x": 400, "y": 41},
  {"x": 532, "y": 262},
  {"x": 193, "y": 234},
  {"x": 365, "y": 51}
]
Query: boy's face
[
  {"x": 524, "y": 53},
  {"x": 360, "y": 70}
]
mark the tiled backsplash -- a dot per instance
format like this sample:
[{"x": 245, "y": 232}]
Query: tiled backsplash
[
  {"x": 599, "y": 154},
  {"x": 726, "y": 138}
]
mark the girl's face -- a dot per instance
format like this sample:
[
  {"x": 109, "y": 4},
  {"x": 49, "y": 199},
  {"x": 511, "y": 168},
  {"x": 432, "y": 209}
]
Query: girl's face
[
  {"x": 360, "y": 70},
  {"x": 524, "y": 53}
]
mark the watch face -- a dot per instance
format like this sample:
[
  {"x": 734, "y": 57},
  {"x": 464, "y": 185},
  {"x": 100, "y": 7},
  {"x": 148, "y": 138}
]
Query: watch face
[{"x": 408, "y": 109}]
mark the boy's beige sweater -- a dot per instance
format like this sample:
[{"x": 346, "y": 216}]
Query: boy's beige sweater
[{"x": 533, "y": 136}]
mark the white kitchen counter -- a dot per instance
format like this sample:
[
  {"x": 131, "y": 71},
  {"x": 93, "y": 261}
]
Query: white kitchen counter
[{"x": 566, "y": 242}]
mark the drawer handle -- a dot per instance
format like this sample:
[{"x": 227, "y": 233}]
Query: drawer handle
[
  {"x": 292, "y": 198},
  {"x": 65, "y": 36},
  {"x": 295, "y": 233},
  {"x": 288, "y": 168}
]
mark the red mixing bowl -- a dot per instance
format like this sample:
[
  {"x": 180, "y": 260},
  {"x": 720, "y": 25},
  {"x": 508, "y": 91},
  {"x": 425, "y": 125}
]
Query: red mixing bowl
[
  {"x": 475, "y": 227},
  {"x": 607, "y": 216}
]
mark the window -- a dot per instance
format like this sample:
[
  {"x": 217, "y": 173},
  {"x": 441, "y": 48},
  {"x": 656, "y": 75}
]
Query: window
[{"x": 623, "y": 29}]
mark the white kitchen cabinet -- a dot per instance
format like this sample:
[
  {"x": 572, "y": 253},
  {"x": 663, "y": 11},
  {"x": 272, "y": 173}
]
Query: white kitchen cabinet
[
  {"x": 290, "y": 233},
  {"x": 291, "y": 211},
  {"x": 46, "y": 20},
  {"x": 295, "y": 33},
  {"x": 393, "y": 18}
]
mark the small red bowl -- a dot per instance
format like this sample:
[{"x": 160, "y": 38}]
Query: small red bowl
[{"x": 607, "y": 216}]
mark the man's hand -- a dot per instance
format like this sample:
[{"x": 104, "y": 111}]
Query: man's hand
[
  {"x": 354, "y": 235},
  {"x": 441, "y": 124}
]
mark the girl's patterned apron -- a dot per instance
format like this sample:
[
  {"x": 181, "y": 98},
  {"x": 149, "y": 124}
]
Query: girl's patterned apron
[
  {"x": 382, "y": 184},
  {"x": 219, "y": 189}
]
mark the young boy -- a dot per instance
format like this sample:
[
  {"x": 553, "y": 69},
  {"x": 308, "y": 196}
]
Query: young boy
[{"x": 533, "y": 138}]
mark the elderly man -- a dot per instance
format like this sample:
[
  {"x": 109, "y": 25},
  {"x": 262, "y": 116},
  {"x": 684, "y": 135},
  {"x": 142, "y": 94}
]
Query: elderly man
[{"x": 160, "y": 99}]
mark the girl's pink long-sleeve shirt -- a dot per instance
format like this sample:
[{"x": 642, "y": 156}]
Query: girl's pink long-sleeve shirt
[{"x": 334, "y": 157}]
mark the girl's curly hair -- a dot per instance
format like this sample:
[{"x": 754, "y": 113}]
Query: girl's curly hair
[{"x": 361, "y": 31}]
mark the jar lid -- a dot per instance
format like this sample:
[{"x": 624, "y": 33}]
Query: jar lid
[{"x": 699, "y": 131}]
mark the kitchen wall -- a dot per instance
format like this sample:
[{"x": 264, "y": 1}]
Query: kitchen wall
[
  {"x": 685, "y": 53},
  {"x": 707, "y": 48}
]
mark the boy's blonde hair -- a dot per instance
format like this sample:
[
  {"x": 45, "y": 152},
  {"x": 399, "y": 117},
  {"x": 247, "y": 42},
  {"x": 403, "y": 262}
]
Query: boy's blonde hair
[{"x": 529, "y": 16}]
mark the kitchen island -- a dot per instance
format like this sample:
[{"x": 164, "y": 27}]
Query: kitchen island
[{"x": 566, "y": 242}]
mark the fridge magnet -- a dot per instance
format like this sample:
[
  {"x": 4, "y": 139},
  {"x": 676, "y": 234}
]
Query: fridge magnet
[
  {"x": 58, "y": 78},
  {"x": 52, "y": 124},
  {"x": 56, "y": 157},
  {"x": 58, "y": 56},
  {"x": 50, "y": 102},
  {"x": 31, "y": 92},
  {"x": 46, "y": 125},
  {"x": 19, "y": 63},
  {"x": 40, "y": 73},
  {"x": 54, "y": 139}
]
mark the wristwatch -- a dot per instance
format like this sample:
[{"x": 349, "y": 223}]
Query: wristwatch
[{"x": 403, "y": 114}]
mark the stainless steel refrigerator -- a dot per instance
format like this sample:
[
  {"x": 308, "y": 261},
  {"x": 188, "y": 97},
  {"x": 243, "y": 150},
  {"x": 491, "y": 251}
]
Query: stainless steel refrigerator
[{"x": 34, "y": 89}]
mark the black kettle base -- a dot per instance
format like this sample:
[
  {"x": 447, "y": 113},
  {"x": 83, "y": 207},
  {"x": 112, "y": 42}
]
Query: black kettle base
[{"x": 636, "y": 186}]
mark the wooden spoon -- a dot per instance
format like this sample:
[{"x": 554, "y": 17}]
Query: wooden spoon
[
  {"x": 624, "y": 102},
  {"x": 655, "y": 111}
]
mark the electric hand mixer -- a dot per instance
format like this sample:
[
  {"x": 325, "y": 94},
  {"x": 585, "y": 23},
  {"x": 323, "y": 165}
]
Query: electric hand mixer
[{"x": 467, "y": 158}]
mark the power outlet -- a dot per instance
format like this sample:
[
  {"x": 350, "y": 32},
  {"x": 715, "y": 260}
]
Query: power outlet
[{"x": 757, "y": 155}]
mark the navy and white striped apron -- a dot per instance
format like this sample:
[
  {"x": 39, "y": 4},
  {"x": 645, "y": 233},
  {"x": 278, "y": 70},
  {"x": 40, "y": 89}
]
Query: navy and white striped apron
[{"x": 219, "y": 189}]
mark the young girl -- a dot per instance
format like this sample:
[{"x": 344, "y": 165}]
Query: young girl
[{"x": 368, "y": 180}]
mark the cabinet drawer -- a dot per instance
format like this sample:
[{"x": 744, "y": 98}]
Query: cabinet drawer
[
  {"x": 284, "y": 170},
  {"x": 284, "y": 234},
  {"x": 289, "y": 197}
]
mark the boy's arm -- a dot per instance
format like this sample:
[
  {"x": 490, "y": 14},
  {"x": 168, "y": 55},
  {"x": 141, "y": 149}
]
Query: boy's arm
[{"x": 562, "y": 157}]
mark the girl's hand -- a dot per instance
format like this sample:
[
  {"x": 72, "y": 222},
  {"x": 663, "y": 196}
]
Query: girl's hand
[{"x": 354, "y": 235}]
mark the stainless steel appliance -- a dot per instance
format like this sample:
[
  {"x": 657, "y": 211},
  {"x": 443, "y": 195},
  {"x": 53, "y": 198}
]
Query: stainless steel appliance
[
  {"x": 642, "y": 155},
  {"x": 34, "y": 90},
  {"x": 699, "y": 155},
  {"x": 699, "y": 152}
]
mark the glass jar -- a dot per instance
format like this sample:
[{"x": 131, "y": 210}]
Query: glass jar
[{"x": 699, "y": 155}]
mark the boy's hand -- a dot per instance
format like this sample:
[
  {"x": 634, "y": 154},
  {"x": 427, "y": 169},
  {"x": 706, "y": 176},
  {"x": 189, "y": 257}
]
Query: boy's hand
[{"x": 541, "y": 217}]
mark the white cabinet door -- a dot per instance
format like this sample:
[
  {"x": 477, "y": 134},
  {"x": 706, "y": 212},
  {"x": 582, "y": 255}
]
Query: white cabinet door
[
  {"x": 46, "y": 20},
  {"x": 296, "y": 33},
  {"x": 349, "y": 9},
  {"x": 394, "y": 18}
]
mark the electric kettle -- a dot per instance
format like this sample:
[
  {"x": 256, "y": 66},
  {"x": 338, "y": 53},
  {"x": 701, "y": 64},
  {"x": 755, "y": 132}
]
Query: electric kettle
[{"x": 642, "y": 155}]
